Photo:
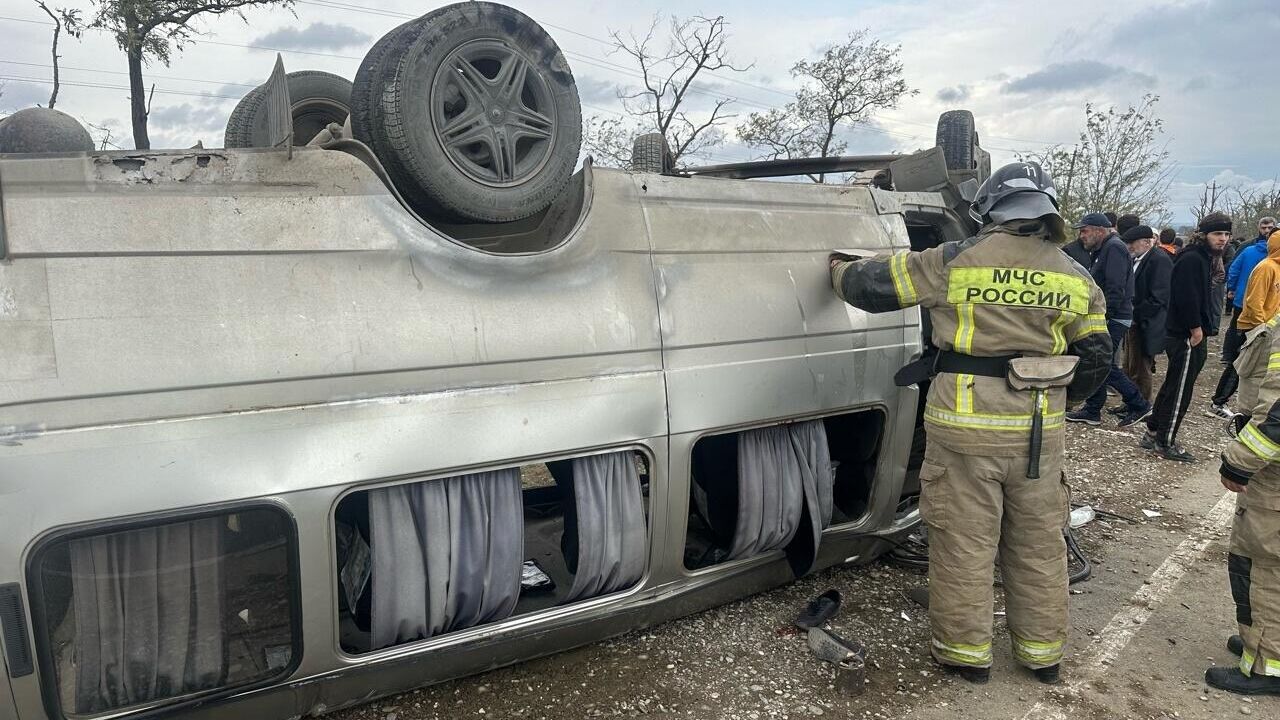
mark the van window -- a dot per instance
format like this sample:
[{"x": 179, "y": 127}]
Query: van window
[
  {"x": 421, "y": 559},
  {"x": 147, "y": 614},
  {"x": 762, "y": 489}
]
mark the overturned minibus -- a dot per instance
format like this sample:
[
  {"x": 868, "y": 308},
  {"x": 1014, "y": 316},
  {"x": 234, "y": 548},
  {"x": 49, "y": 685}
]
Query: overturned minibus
[{"x": 274, "y": 443}]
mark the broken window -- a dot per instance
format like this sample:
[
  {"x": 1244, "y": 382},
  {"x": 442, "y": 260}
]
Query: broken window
[
  {"x": 418, "y": 560},
  {"x": 778, "y": 487},
  {"x": 167, "y": 611}
]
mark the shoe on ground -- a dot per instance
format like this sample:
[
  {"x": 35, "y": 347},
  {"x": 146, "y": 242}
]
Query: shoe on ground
[
  {"x": 1051, "y": 675},
  {"x": 975, "y": 675},
  {"x": 819, "y": 610},
  {"x": 1235, "y": 645},
  {"x": 1084, "y": 416},
  {"x": 1220, "y": 411},
  {"x": 1149, "y": 442},
  {"x": 1120, "y": 410},
  {"x": 826, "y": 645},
  {"x": 1133, "y": 417},
  {"x": 1232, "y": 680},
  {"x": 1177, "y": 453}
]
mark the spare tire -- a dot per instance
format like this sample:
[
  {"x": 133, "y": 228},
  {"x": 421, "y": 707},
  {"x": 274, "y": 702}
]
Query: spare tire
[
  {"x": 650, "y": 153},
  {"x": 958, "y": 139},
  {"x": 481, "y": 113},
  {"x": 317, "y": 98}
]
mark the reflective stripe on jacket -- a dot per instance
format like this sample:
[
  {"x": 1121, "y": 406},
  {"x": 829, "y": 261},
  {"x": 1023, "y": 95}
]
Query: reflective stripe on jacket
[
  {"x": 1008, "y": 291},
  {"x": 1259, "y": 442}
]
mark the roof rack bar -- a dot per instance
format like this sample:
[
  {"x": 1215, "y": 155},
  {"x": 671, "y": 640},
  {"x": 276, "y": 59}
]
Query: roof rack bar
[{"x": 794, "y": 166}]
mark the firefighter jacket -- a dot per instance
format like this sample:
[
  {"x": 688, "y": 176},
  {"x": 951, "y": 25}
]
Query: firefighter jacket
[
  {"x": 1259, "y": 442},
  {"x": 1008, "y": 291}
]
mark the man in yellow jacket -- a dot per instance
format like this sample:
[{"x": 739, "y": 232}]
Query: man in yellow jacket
[
  {"x": 1257, "y": 318},
  {"x": 1001, "y": 305}
]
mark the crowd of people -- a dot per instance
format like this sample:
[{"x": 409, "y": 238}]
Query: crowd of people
[
  {"x": 1165, "y": 298},
  {"x": 1023, "y": 324}
]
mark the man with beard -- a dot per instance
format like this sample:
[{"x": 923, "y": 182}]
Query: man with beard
[{"x": 1190, "y": 307}]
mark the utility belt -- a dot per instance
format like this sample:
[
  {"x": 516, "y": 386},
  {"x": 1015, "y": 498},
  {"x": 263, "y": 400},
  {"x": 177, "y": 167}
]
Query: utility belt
[{"x": 1036, "y": 375}]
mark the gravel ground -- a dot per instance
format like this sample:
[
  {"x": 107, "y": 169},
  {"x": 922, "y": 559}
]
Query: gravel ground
[{"x": 742, "y": 661}]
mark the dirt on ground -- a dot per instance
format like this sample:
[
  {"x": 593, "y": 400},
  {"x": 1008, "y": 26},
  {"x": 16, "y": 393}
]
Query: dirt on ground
[{"x": 744, "y": 661}]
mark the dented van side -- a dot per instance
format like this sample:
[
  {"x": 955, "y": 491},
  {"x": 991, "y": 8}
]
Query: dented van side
[{"x": 249, "y": 346}]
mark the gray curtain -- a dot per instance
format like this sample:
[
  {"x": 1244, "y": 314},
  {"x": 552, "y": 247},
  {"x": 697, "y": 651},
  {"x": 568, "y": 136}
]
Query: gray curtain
[
  {"x": 148, "y": 610},
  {"x": 784, "y": 471},
  {"x": 611, "y": 538},
  {"x": 446, "y": 554}
]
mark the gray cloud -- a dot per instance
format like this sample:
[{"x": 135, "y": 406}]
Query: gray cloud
[
  {"x": 16, "y": 95},
  {"x": 188, "y": 117},
  {"x": 316, "y": 36},
  {"x": 1075, "y": 75},
  {"x": 594, "y": 91},
  {"x": 954, "y": 94}
]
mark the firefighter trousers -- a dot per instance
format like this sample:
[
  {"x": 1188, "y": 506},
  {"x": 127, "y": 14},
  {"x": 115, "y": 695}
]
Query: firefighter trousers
[
  {"x": 1253, "y": 566},
  {"x": 975, "y": 507}
]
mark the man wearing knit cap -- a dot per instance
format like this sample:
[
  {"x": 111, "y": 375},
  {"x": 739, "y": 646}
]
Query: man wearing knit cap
[
  {"x": 1190, "y": 308},
  {"x": 1237, "y": 285}
]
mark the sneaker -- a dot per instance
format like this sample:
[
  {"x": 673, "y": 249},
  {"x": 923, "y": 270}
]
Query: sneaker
[
  {"x": 1232, "y": 680},
  {"x": 1178, "y": 453},
  {"x": 1149, "y": 442},
  {"x": 1220, "y": 411},
  {"x": 1235, "y": 645},
  {"x": 1048, "y": 675},
  {"x": 1084, "y": 416},
  {"x": 1118, "y": 410},
  {"x": 1133, "y": 417}
]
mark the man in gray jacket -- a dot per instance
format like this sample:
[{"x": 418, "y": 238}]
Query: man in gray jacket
[{"x": 1112, "y": 270}]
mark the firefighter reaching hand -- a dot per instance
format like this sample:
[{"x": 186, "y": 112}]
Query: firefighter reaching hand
[{"x": 1021, "y": 329}]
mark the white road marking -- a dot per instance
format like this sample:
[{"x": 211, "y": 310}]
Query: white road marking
[{"x": 1092, "y": 661}]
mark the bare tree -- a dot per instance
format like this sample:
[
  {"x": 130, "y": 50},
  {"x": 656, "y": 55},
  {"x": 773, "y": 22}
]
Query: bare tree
[
  {"x": 843, "y": 88},
  {"x": 152, "y": 30},
  {"x": 1120, "y": 164},
  {"x": 694, "y": 47},
  {"x": 64, "y": 20},
  {"x": 1246, "y": 204}
]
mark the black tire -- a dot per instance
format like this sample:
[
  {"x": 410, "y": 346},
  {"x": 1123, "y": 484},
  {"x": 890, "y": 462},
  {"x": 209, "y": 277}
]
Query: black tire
[
  {"x": 318, "y": 98},
  {"x": 958, "y": 139},
  {"x": 479, "y": 150},
  {"x": 650, "y": 153}
]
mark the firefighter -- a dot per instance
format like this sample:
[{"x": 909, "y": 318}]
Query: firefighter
[
  {"x": 1251, "y": 467},
  {"x": 1011, "y": 316}
]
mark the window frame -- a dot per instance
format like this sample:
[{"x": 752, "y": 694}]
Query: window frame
[
  {"x": 41, "y": 632},
  {"x": 465, "y": 635}
]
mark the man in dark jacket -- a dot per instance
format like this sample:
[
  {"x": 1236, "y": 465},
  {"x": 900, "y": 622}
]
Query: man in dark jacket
[
  {"x": 1151, "y": 271},
  {"x": 1246, "y": 259},
  {"x": 1113, "y": 272},
  {"x": 1190, "y": 308}
]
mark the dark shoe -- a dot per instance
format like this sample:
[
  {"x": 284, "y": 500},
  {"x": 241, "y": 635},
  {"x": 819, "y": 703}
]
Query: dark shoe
[
  {"x": 819, "y": 610},
  {"x": 1232, "y": 680},
  {"x": 1177, "y": 453},
  {"x": 1084, "y": 416},
  {"x": 1149, "y": 442},
  {"x": 1048, "y": 675},
  {"x": 1118, "y": 410},
  {"x": 1134, "y": 417},
  {"x": 975, "y": 675},
  {"x": 1219, "y": 411},
  {"x": 1235, "y": 645},
  {"x": 829, "y": 646}
]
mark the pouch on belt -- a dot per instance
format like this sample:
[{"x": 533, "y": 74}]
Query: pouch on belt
[{"x": 1038, "y": 375}]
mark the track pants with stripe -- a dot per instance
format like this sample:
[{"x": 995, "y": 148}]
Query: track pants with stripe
[
  {"x": 975, "y": 507},
  {"x": 1253, "y": 566},
  {"x": 1185, "y": 363}
]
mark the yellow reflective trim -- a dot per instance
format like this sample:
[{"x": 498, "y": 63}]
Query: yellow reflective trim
[
  {"x": 963, "y": 341},
  {"x": 964, "y": 393},
  {"x": 1259, "y": 444},
  {"x": 1270, "y": 668},
  {"x": 1093, "y": 323},
  {"x": 981, "y": 421},
  {"x": 1018, "y": 287},
  {"x": 974, "y": 655},
  {"x": 902, "y": 285},
  {"x": 1273, "y": 362},
  {"x": 1057, "y": 329}
]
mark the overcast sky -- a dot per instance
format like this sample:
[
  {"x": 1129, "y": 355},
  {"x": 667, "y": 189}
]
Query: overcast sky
[{"x": 1026, "y": 69}]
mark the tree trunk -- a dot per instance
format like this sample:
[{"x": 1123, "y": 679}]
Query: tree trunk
[{"x": 138, "y": 99}]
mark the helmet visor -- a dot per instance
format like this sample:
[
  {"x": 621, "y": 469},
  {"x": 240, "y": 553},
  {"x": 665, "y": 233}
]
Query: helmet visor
[{"x": 1023, "y": 206}]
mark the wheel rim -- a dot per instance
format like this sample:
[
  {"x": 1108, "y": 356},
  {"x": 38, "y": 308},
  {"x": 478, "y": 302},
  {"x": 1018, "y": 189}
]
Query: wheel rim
[
  {"x": 492, "y": 113},
  {"x": 312, "y": 115}
]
